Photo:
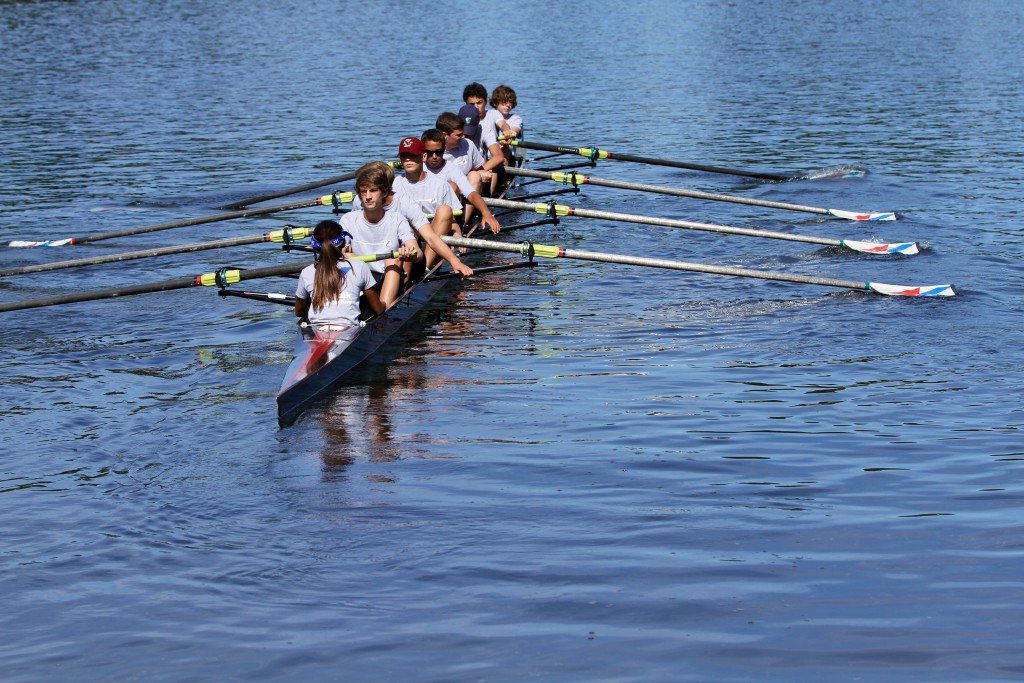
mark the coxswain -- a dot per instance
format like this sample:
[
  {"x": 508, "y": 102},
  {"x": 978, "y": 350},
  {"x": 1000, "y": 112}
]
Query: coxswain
[{"x": 327, "y": 295}]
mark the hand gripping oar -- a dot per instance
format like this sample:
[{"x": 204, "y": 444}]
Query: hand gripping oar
[
  {"x": 221, "y": 278},
  {"x": 334, "y": 200},
  {"x": 287, "y": 235},
  {"x": 593, "y": 153},
  {"x": 292, "y": 190},
  {"x": 549, "y": 209},
  {"x": 573, "y": 178},
  {"x": 528, "y": 249}
]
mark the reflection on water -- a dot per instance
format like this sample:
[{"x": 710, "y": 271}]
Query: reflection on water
[{"x": 356, "y": 422}]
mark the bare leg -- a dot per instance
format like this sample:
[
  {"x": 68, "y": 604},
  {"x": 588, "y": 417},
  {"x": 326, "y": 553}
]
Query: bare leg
[
  {"x": 392, "y": 281},
  {"x": 441, "y": 226}
]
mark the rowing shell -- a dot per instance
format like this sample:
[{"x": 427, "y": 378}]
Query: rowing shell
[{"x": 323, "y": 358}]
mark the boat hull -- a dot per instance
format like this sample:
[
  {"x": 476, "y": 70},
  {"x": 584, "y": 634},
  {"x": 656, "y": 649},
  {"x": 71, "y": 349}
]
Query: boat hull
[{"x": 321, "y": 361}]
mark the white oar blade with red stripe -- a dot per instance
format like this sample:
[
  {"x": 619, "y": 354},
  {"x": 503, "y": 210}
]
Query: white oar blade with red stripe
[
  {"x": 855, "y": 216},
  {"x": 907, "y": 248},
  {"x": 903, "y": 290}
]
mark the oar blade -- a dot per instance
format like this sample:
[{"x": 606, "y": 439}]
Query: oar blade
[
  {"x": 834, "y": 173},
  {"x": 44, "y": 243},
  {"x": 863, "y": 216},
  {"x": 903, "y": 290},
  {"x": 906, "y": 248}
]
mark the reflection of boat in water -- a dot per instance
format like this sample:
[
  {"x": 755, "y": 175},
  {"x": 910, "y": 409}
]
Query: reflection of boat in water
[{"x": 326, "y": 355}]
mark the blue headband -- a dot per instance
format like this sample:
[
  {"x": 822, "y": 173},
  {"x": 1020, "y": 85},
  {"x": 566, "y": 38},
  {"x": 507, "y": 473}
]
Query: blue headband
[{"x": 337, "y": 241}]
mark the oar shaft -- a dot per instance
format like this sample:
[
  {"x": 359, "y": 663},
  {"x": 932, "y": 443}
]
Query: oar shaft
[
  {"x": 223, "y": 277},
  {"x": 326, "y": 200},
  {"x": 162, "y": 286},
  {"x": 244, "y": 213},
  {"x": 276, "y": 236},
  {"x": 560, "y": 252},
  {"x": 92, "y": 295},
  {"x": 293, "y": 190},
  {"x": 573, "y": 178},
  {"x": 592, "y": 153},
  {"x": 665, "y": 222}
]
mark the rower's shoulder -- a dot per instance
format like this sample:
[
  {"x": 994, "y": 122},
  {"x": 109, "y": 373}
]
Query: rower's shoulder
[{"x": 492, "y": 115}]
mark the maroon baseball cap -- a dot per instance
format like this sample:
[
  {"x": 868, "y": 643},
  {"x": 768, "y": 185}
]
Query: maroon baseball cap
[{"x": 411, "y": 145}]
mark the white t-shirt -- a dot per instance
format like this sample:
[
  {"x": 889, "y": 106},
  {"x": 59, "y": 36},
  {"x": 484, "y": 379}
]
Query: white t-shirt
[
  {"x": 403, "y": 206},
  {"x": 516, "y": 121},
  {"x": 466, "y": 156},
  {"x": 489, "y": 130},
  {"x": 391, "y": 232},
  {"x": 430, "y": 192},
  {"x": 345, "y": 309},
  {"x": 450, "y": 172}
]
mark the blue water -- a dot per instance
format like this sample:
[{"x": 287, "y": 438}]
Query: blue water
[{"x": 584, "y": 472}]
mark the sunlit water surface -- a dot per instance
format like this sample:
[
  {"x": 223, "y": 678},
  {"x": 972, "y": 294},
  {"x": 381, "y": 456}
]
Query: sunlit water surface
[{"x": 579, "y": 472}]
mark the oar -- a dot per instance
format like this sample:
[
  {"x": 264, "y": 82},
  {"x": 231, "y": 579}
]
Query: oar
[
  {"x": 552, "y": 209},
  {"x": 221, "y": 278},
  {"x": 288, "y": 234},
  {"x": 573, "y": 178},
  {"x": 334, "y": 199},
  {"x": 292, "y": 190},
  {"x": 593, "y": 153},
  {"x": 528, "y": 249}
]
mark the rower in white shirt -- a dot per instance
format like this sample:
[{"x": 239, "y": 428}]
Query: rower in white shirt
[{"x": 436, "y": 164}]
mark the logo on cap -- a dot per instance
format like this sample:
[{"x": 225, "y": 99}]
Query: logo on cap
[{"x": 411, "y": 145}]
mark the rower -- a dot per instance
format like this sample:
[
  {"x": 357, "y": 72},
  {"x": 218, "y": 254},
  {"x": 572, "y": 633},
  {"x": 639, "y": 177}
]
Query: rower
[
  {"x": 475, "y": 97},
  {"x": 433, "y": 144},
  {"x": 327, "y": 295},
  {"x": 416, "y": 219},
  {"x": 433, "y": 195},
  {"x": 476, "y": 94},
  {"x": 459, "y": 149},
  {"x": 374, "y": 230},
  {"x": 470, "y": 117},
  {"x": 501, "y": 121}
]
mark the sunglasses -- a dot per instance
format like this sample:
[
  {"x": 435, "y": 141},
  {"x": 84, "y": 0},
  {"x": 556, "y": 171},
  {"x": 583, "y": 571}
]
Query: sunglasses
[{"x": 435, "y": 152}]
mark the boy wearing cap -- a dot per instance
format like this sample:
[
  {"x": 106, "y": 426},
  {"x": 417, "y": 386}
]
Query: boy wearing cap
[
  {"x": 470, "y": 117},
  {"x": 474, "y": 95},
  {"x": 438, "y": 165},
  {"x": 433, "y": 195}
]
